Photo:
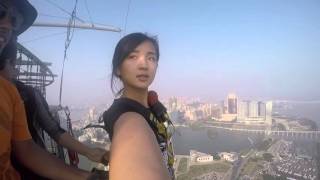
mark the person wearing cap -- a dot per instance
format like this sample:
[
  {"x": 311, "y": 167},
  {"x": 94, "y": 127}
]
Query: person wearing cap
[
  {"x": 15, "y": 17},
  {"x": 40, "y": 119}
]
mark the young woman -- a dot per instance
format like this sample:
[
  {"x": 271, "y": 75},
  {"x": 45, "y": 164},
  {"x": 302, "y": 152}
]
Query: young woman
[{"x": 141, "y": 146}]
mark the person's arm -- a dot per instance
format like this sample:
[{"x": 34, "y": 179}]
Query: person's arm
[
  {"x": 94, "y": 154},
  {"x": 62, "y": 137},
  {"x": 135, "y": 153},
  {"x": 30, "y": 154},
  {"x": 44, "y": 164}
]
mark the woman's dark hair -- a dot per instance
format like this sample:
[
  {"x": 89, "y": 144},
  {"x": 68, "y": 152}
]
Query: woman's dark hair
[
  {"x": 9, "y": 52},
  {"x": 125, "y": 46}
]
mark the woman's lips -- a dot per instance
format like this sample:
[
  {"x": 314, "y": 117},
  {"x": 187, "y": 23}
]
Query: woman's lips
[{"x": 142, "y": 77}]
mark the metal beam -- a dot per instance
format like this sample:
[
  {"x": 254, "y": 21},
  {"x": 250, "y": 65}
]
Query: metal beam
[
  {"x": 36, "y": 74},
  {"x": 30, "y": 63},
  {"x": 35, "y": 80},
  {"x": 78, "y": 25}
]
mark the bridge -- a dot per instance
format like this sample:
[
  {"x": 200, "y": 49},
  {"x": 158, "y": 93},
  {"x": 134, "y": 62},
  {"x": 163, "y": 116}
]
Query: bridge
[{"x": 296, "y": 134}]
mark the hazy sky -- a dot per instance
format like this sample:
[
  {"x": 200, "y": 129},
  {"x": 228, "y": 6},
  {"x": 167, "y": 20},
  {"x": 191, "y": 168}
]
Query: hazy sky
[{"x": 259, "y": 49}]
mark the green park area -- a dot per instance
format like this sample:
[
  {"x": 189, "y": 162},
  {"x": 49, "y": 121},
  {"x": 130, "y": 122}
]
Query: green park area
[
  {"x": 183, "y": 165},
  {"x": 252, "y": 166}
]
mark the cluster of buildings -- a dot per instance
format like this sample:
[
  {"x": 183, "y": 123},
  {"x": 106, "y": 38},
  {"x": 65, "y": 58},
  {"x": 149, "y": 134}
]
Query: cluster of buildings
[
  {"x": 232, "y": 109},
  {"x": 91, "y": 116},
  {"x": 191, "y": 111},
  {"x": 290, "y": 164},
  {"x": 199, "y": 157},
  {"x": 246, "y": 111},
  {"x": 297, "y": 168}
]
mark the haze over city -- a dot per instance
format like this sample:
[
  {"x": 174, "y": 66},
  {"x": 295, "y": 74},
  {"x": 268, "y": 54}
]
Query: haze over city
[{"x": 256, "y": 49}]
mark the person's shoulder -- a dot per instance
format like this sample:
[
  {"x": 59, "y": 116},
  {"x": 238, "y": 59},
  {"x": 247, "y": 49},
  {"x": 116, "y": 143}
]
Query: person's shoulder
[
  {"x": 8, "y": 88},
  {"x": 131, "y": 117},
  {"x": 23, "y": 87},
  {"x": 115, "y": 110},
  {"x": 26, "y": 92},
  {"x": 123, "y": 105},
  {"x": 131, "y": 122},
  {"x": 125, "y": 102},
  {"x": 5, "y": 83}
]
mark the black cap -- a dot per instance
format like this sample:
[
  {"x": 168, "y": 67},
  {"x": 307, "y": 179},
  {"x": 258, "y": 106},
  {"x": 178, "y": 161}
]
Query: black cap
[{"x": 28, "y": 12}]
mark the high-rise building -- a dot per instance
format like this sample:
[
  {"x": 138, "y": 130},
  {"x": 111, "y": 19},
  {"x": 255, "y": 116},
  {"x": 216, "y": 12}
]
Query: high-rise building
[
  {"x": 92, "y": 114},
  {"x": 269, "y": 113},
  {"x": 253, "y": 109},
  {"x": 261, "y": 109},
  {"x": 255, "y": 112},
  {"x": 232, "y": 102},
  {"x": 243, "y": 110},
  {"x": 223, "y": 107},
  {"x": 172, "y": 104}
]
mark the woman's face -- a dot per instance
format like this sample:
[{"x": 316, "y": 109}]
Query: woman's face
[{"x": 139, "y": 67}]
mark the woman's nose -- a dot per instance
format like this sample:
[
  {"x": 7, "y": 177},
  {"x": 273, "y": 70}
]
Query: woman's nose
[{"x": 142, "y": 62}]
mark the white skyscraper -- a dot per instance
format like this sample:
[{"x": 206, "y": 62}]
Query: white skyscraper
[
  {"x": 269, "y": 113},
  {"x": 243, "y": 110},
  {"x": 253, "y": 109}
]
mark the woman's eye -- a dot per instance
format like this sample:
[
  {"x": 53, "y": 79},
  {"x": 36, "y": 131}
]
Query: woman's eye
[
  {"x": 152, "y": 58},
  {"x": 132, "y": 57}
]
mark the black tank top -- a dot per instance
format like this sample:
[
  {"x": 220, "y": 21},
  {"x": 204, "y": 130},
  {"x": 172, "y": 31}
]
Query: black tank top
[{"x": 120, "y": 106}]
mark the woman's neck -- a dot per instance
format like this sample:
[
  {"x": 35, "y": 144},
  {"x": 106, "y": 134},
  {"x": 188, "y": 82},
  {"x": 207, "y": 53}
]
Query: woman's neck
[{"x": 140, "y": 96}]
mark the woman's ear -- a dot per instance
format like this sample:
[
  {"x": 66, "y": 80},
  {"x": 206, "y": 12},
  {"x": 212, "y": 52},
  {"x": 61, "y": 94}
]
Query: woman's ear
[{"x": 118, "y": 72}]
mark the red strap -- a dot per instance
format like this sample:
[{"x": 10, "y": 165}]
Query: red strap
[{"x": 73, "y": 158}]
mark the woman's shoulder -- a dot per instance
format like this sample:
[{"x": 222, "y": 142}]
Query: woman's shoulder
[{"x": 120, "y": 107}]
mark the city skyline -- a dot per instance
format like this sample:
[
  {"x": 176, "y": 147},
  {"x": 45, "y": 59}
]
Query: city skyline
[{"x": 261, "y": 49}]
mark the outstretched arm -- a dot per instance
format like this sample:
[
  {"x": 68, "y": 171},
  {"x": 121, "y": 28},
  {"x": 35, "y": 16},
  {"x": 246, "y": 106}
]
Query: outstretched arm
[
  {"x": 44, "y": 164},
  {"x": 135, "y": 153},
  {"x": 52, "y": 127}
]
